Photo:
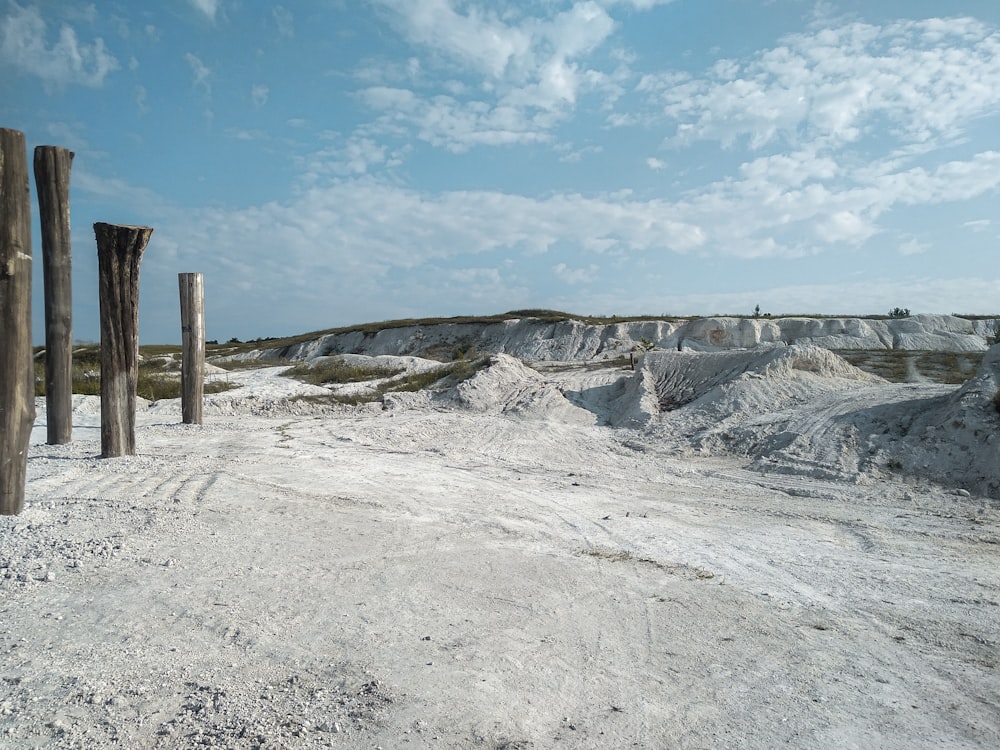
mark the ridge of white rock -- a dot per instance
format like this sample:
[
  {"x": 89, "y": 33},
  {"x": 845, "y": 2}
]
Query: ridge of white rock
[{"x": 537, "y": 340}]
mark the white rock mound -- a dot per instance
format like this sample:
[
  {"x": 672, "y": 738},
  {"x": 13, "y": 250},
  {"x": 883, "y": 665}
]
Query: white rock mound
[
  {"x": 953, "y": 439},
  {"x": 538, "y": 340},
  {"x": 507, "y": 386},
  {"x": 722, "y": 385}
]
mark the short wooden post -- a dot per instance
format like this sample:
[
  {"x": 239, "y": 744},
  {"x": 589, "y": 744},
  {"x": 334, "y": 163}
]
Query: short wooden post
[
  {"x": 52, "y": 168},
  {"x": 119, "y": 251},
  {"x": 192, "y": 289},
  {"x": 17, "y": 370}
]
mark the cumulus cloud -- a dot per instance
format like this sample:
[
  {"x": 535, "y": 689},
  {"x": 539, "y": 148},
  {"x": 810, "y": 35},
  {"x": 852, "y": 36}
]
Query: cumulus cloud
[
  {"x": 788, "y": 206},
  {"x": 284, "y": 20},
  {"x": 24, "y": 46},
  {"x": 921, "y": 80},
  {"x": 259, "y": 94},
  {"x": 206, "y": 7},
  {"x": 201, "y": 74},
  {"x": 140, "y": 95},
  {"x": 574, "y": 276},
  {"x": 532, "y": 69},
  {"x": 978, "y": 225},
  {"x": 913, "y": 247}
]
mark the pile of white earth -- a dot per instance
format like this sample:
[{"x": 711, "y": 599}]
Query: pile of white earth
[{"x": 796, "y": 409}]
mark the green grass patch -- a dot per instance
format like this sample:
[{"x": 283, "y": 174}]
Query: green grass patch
[
  {"x": 948, "y": 367},
  {"x": 157, "y": 376},
  {"x": 337, "y": 370},
  {"x": 890, "y": 364},
  {"x": 233, "y": 365},
  {"x": 440, "y": 377},
  {"x": 901, "y": 366}
]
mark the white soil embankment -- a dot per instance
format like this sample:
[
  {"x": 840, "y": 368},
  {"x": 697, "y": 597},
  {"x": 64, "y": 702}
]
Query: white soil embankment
[{"x": 536, "y": 340}]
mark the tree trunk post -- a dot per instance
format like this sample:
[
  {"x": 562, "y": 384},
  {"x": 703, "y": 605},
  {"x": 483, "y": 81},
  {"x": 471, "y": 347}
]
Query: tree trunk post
[
  {"x": 119, "y": 251},
  {"x": 192, "y": 289},
  {"x": 52, "y": 168},
  {"x": 17, "y": 370}
]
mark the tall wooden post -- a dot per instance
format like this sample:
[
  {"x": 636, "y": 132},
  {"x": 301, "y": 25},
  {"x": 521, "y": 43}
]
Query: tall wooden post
[
  {"x": 17, "y": 371},
  {"x": 119, "y": 251},
  {"x": 52, "y": 168},
  {"x": 192, "y": 289}
]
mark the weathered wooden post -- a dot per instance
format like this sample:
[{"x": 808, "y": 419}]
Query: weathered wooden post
[
  {"x": 52, "y": 168},
  {"x": 192, "y": 289},
  {"x": 17, "y": 371},
  {"x": 119, "y": 251}
]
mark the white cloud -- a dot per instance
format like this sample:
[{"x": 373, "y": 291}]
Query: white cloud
[
  {"x": 259, "y": 94},
  {"x": 919, "y": 80},
  {"x": 359, "y": 238},
  {"x": 791, "y": 206},
  {"x": 574, "y": 276},
  {"x": 23, "y": 46},
  {"x": 637, "y": 4},
  {"x": 570, "y": 155},
  {"x": 913, "y": 247},
  {"x": 207, "y": 7},
  {"x": 978, "y": 225},
  {"x": 480, "y": 39},
  {"x": 531, "y": 68},
  {"x": 447, "y": 122},
  {"x": 245, "y": 135},
  {"x": 355, "y": 156},
  {"x": 201, "y": 74},
  {"x": 867, "y": 297},
  {"x": 140, "y": 95},
  {"x": 655, "y": 164},
  {"x": 284, "y": 20},
  {"x": 845, "y": 227}
]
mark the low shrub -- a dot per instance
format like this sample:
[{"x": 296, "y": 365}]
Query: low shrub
[
  {"x": 157, "y": 375},
  {"x": 333, "y": 371}
]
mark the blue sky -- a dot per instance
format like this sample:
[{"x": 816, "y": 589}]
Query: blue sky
[{"x": 339, "y": 161}]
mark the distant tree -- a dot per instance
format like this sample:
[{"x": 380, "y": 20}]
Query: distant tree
[
  {"x": 756, "y": 311},
  {"x": 899, "y": 312}
]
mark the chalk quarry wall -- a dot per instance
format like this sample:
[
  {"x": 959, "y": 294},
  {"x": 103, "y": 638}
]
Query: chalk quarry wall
[{"x": 536, "y": 340}]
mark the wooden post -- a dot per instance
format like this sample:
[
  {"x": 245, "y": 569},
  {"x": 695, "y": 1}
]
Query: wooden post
[
  {"x": 52, "y": 168},
  {"x": 119, "y": 251},
  {"x": 192, "y": 289},
  {"x": 17, "y": 370}
]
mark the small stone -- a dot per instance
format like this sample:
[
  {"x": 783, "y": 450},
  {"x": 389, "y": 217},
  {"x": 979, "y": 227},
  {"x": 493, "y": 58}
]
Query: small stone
[
  {"x": 963, "y": 493},
  {"x": 50, "y": 576}
]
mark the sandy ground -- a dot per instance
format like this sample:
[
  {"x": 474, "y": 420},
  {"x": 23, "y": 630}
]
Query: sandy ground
[{"x": 460, "y": 576}]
